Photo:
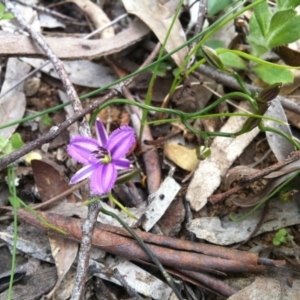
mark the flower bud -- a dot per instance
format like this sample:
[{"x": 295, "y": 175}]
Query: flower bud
[
  {"x": 213, "y": 58},
  {"x": 269, "y": 93},
  {"x": 203, "y": 152}
]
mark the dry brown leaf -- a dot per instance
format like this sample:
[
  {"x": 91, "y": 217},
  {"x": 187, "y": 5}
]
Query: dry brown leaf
[
  {"x": 236, "y": 173},
  {"x": 64, "y": 252},
  {"x": 159, "y": 18},
  {"x": 51, "y": 183}
]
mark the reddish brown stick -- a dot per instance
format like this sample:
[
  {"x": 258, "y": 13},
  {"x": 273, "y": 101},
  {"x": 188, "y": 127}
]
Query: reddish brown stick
[{"x": 129, "y": 248}]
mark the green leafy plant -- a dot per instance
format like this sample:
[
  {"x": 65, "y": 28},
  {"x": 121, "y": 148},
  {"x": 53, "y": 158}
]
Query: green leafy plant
[
  {"x": 3, "y": 14},
  {"x": 8, "y": 146},
  {"x": 215, "y": 6},
  {"x": 270, "y": 28},
  {"x": 282, "y": 237},
  {"x": 273, "y": 27},
  {"x": 46, "y": 120}
]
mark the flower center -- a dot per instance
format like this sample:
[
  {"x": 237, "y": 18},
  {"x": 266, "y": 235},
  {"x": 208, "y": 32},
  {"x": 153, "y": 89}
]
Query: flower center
[{"x": 102, "y": 154}]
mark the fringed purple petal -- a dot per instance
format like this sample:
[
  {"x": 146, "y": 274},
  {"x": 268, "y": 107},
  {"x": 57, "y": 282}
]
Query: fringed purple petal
[
  {"x": 83, "y": 173},
  {"x": 80, "y": 148},
  {"x": 122, "y": 163},
  {"x": 120, "y": 142},
  {"x": 103, "y": 179},
  {"x": 101, "y": 133}
]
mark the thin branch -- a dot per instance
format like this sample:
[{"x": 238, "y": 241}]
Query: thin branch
[
  {"x": 84, "y": 128},
  {"x": 246, "y": 179},
  {"x": 53, "y": 132}
]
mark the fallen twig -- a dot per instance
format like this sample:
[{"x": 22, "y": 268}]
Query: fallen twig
[
  {"x": 253, "y": 177},
  {"x": 127, "y": 247}
]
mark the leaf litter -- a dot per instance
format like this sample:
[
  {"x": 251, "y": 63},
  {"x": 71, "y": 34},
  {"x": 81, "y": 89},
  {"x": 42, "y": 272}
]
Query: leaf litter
[{"x": 208, "y": 177}]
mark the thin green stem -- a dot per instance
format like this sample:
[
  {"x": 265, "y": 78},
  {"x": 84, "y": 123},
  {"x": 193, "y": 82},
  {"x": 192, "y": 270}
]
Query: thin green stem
[
  {"x": 123, "y": 208},
  {"x": 249, "y": 115},
  {"x": 148, "y": 98},
  {"x": 256, "y": 59},
  {"x": 214, "y": 27},
  {"x": 12, "y": 187},
  {"x": 281, "y": 133}
]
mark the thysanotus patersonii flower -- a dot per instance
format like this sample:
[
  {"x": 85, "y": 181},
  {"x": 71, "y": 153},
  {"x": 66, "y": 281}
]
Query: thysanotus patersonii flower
[{"x": 101, "y": 157}]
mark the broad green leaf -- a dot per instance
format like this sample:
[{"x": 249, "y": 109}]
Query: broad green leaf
[
  {"x": 46, "y": 120},
  {"x": 232, "y": 60},
  {"x": 5, "y": 147},
  {"x": 7, "y": 16},
  {"x": 2, "y": 9},
  {"x": 215, "y": 44},
  {"x": 215, "y": 6},
  {"x": 287, "y": 4},
  {"x": 282, "y": 232},
  {"x": 16, "y": 141},
  {"x": 276, "y": 242},
  {"x": 256, "y": 39},
  {"x": 263, "y": 17},
  {"x": 284, "y": 28},
  {"x": 273, "y": 75}
]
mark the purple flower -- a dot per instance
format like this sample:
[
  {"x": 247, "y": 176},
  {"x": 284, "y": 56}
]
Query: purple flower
[{"x": 102, "y": 157}]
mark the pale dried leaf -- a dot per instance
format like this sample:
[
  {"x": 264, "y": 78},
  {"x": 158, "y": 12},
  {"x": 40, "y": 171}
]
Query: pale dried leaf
[
  {"x": 96, "y": 15},
  {"x": 182, "y": 156},
  {"x": 159, "y": 18},
  {"x": 12, "y": 105},
  {"x": 226, "y": 232},
  {"x": 224, "y": 151},
  {"x": 31, "y": 240},
  {"x": 81, "y": 72},
  {"x": 236, "y": 173},
  {"x": 268, "y": 289},
  {"x": 159, "y": 202},
  {"x": 142, "y": 281},
  {"x": 65, "y": 289},
  {"x": 37, "y": 284},
  {"x": 280, "y": 146},
  {"x": 64, "y": 252},
  {"x": 48, "y": 21}
]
